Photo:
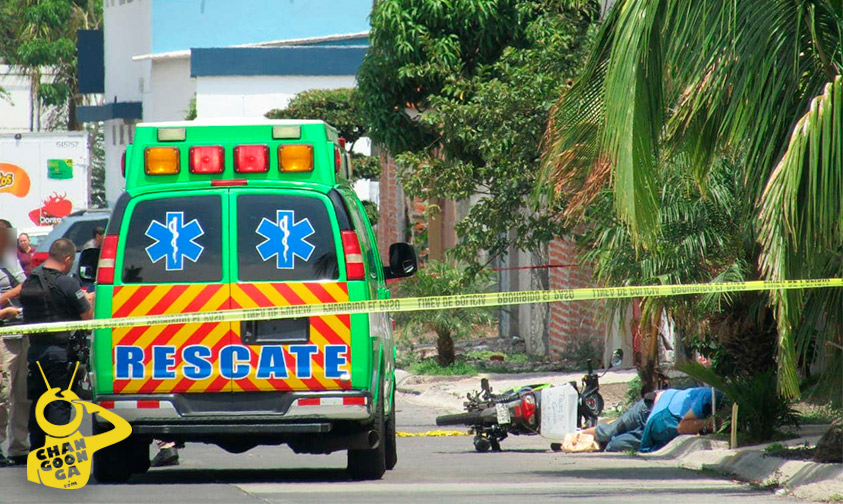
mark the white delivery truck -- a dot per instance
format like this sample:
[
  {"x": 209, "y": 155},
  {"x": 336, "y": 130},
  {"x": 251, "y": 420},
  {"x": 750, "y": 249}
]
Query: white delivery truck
[{"x": 43, "y": 178}]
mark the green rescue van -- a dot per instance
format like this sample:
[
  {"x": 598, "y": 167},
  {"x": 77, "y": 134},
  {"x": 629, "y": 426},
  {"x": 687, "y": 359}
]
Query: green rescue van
[{"x": 221, "y": 215}]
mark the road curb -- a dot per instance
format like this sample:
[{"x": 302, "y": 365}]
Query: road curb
[
  {"x": 401, "y": 378},
  {"x": 803, "y": 479}
]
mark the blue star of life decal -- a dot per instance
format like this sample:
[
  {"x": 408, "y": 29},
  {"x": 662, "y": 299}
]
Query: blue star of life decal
[
  {"x": 285, "y": 239},
  {"x": 175, "y": 241}
]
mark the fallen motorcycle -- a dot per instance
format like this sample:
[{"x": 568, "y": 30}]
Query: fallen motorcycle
[{"x": 493, "y": 417}]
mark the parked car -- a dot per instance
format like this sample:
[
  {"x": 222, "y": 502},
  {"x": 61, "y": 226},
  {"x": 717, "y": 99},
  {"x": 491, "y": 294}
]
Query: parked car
[{"x": 77, "y": 227}]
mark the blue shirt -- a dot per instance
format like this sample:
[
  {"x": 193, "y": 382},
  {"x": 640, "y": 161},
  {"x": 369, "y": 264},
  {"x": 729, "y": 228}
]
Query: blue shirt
[{"x": 672, "y": 406}]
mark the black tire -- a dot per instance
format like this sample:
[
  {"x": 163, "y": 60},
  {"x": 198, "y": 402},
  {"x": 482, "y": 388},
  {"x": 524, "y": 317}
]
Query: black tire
[
  {"x": 557, "y": 447},
  {"x": 496, "y": 445},
  {"x": 391, "y": 438},
  {"x": 371, "y": 464},
  {"x": 482, "y": 444},
  {"x": 594, "y": 403},
  {"x": 116, "y": 463},
  {"x": 470, "y": 418}
]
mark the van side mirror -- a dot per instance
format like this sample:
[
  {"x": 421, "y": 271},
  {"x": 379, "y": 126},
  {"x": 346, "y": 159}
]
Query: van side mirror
[
  {"x": 402, "y": 261},
  {"x": 88, "y": 260}
]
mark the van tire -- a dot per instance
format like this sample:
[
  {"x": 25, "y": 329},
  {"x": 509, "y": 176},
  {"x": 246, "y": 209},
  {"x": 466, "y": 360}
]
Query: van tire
[
  {"x": 116, "y": 463},
  {"x": 371, "y": 464},
  {"x": 390, "y": 438}
]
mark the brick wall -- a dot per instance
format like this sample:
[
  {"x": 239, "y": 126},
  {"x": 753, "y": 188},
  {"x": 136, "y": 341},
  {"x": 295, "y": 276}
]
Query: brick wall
[
  {"x": 571, "y": 320},
  {"x": 391, "y": 225}
]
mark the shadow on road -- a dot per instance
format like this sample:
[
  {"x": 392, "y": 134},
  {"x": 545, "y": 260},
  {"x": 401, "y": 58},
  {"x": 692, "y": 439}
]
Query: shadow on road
[
  {"x": 490, "y": 453},
  {"x": 622, "y": 473},
  {"x": 205, "y": 476}
]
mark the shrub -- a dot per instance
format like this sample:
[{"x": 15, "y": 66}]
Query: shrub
[
  {"x": 442, "y": 279},
  {"x": 761, "y": 410}
]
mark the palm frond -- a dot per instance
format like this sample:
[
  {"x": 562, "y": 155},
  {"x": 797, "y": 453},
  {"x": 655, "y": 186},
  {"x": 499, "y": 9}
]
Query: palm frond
[{"x": 802, "y": 216}]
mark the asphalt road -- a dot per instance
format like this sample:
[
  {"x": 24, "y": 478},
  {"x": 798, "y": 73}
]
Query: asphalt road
[{"x": 440, "y": 470}]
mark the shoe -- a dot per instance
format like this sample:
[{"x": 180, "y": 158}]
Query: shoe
[
  {"x": 17, "y": 460},
  {"x": 166, "y": 457},
  {"x": 4, "y": 462}
]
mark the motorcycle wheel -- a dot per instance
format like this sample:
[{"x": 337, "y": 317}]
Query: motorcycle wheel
[
  {"x": 594, "y": 403},
  {"x": 482, "y": 444},
  {"x": 496, "y": 445}
]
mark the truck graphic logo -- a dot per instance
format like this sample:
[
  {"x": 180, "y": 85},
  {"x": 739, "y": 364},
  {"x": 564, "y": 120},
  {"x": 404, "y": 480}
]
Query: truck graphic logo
[
  {"x": 13, "y": 180},
  {"x": 54, "y": 209},
  {"x": 6, "y": 179}
]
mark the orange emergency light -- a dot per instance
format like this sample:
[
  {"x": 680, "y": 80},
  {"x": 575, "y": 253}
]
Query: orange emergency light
[
  {"x": 295, "y": 158},
  {"x": 161, "y": 160}
]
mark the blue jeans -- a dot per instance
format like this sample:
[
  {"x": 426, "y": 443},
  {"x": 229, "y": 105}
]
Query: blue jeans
[{"x": 625, "y": 433}]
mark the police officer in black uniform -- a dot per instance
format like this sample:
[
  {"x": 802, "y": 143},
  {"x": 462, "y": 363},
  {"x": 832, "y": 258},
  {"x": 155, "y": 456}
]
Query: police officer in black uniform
[{"x": 50, "y": 295}]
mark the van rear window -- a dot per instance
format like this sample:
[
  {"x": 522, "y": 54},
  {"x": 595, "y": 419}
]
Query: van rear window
[
  {"x": 81, "y": 232},
  {"x": 284, "y": 238},
  {"x": 174, "y": 240}
]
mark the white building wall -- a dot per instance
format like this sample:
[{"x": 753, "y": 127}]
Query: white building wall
[
  {"x": 254, "y": 96},
  {"x": 170, "y": 89},
  {"x": 14, "y": 103},
  {"x": 127, "y": 32}
]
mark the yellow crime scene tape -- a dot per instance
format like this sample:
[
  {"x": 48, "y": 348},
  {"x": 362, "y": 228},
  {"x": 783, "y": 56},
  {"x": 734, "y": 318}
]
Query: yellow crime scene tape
[
  {"x": 423, "y": 303},
  {"x": 433, "y": 433}
]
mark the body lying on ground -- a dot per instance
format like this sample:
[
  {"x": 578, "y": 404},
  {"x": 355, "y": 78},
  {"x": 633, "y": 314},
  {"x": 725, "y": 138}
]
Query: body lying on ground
[{"x": 655, "y": 420}]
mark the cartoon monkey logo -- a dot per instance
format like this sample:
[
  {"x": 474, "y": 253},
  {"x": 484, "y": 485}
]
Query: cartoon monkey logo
[{"x": 64, "y": 460}]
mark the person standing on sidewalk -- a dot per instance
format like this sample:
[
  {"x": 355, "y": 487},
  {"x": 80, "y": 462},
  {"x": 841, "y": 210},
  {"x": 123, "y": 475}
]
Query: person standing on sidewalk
[
  {"x": 51, "y": 295},
  {"x": 14, "y": 405},
  {"x": 25, "y": 251}
]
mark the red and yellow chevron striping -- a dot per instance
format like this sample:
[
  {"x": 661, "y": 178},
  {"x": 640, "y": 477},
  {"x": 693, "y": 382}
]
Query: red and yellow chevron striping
[{"x": 324, "y": 331}]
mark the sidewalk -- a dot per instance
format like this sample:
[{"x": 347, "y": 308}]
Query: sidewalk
[
  {"x": 448, "y": 392},
  {"x": 807, "y": 480}
]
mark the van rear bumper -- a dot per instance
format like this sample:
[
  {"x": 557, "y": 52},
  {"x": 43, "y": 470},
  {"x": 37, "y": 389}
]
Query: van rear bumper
[{"x": 304, "y": 411}]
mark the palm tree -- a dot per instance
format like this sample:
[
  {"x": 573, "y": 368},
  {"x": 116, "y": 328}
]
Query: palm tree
[
  {"x": 699, "y": 78},
  {"x": 702, "y": 237}
]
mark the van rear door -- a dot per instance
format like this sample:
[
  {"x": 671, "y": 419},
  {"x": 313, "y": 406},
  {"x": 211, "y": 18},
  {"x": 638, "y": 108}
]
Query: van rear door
[
  {"x": 286, "y": 250},
  {"x": 170, "y": 260}
]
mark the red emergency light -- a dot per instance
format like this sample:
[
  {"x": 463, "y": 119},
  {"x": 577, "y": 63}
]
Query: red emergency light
[
  {"x": 207, "y": 159},
  {"x": 251, "y": 159}
]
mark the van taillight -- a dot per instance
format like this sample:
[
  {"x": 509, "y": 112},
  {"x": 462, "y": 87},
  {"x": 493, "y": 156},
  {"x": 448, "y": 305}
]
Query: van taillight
[
  {"x": 108, "y": 256},
  {"x": 354, "y": 269},
  {"x": 38, "y": 258},
  {"x": 337, "y": 159}
]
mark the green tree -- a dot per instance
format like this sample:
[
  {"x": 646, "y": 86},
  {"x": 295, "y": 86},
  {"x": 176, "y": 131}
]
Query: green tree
[
  {"x": 341, "y": 109},
  {"x": 702, "y": 237},
  {"x": 759, "y": 77},
  {"x": 96, "y": 147},
  {"x": 460, "y": 92},
  {"x": 40, "y": 35},
  {"x": 438, "y": 278}
]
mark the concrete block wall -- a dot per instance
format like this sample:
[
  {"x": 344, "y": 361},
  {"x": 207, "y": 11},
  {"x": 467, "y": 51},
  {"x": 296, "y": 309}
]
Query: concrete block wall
[
  {"x": 570, "y": 321},
  {"x": 391, "y": 226}
]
